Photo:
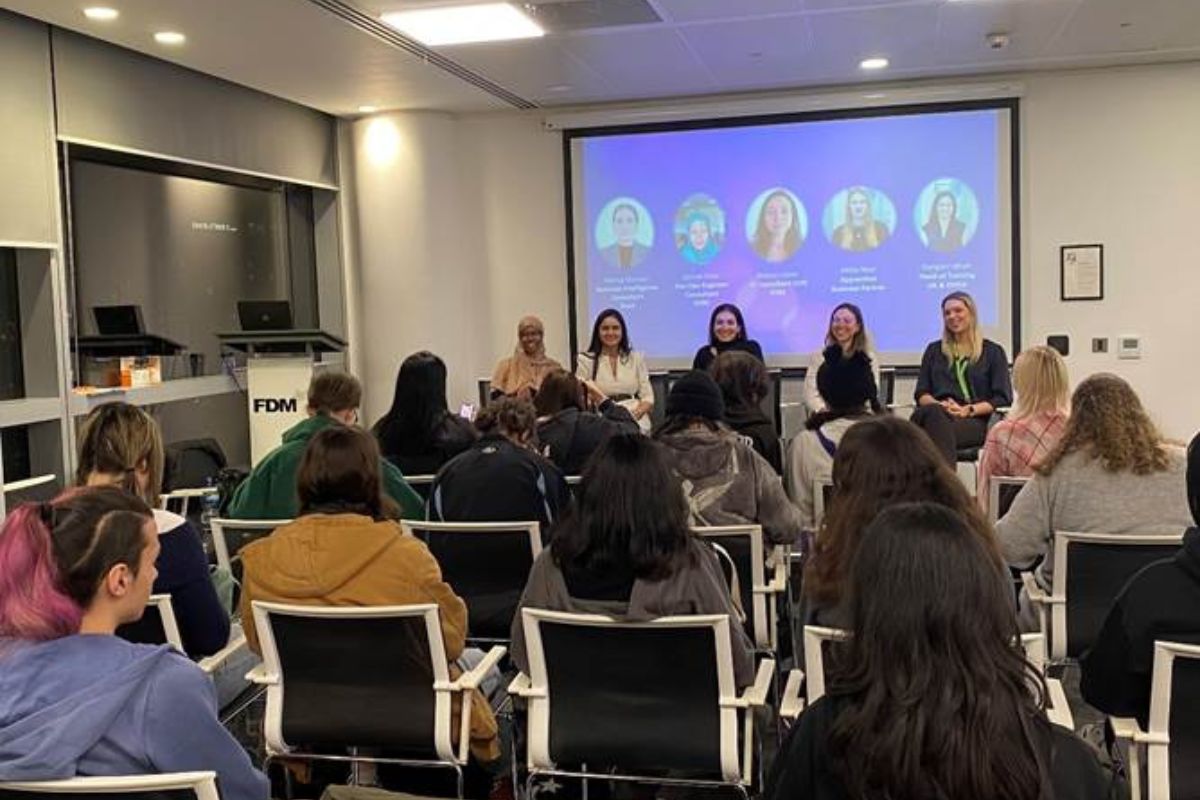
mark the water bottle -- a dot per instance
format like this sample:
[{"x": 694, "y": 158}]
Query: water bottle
[{"x": 210, "y": 504}]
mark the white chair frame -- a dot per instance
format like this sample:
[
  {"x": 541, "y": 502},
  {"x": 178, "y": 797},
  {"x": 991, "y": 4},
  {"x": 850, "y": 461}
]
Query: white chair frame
[
  {"x": 762, "y": 614},
  {"x": 270, "y": 674},
  {"x": 994, "y": 486},
  {"x": 537, "y": 690},
  {"x": 187, "y": 496},
  {"x": 1052, "y": 608},
  {"x": 219, "y": 524},
  {"x": 204, "y": 784},
  {"x": 1154, "y": 745}
]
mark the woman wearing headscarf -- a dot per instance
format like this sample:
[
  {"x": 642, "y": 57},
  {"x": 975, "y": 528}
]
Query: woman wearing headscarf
[{"x": 521, "y": 373}]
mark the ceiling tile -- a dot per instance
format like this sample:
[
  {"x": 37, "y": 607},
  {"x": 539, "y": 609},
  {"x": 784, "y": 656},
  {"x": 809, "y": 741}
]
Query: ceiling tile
[
  {"x": 906, "y": 36},
  {"x": 769, "y": 51},
  {"x": 854, "y": 5},
  {"x": 708, "y": 10},
  {"x": 531, "y": 67},
  {"x": 643, "y": 62},
  {"x": 1031, "y": 26},
  {"x": 1116, "y": 26}
]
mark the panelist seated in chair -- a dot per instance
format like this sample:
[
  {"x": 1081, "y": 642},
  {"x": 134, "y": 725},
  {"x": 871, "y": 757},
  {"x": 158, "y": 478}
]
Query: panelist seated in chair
[
  {"x": 75, "y": 699},
  {"x": 346, "y": 549},
  {"x": 625, "y": 549},
  {"x": 928, "y": 697},
  {"x": 1160, "y": 603}
]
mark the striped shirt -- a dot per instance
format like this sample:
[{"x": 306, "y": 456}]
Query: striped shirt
[{"x": 1015, "y": 446}]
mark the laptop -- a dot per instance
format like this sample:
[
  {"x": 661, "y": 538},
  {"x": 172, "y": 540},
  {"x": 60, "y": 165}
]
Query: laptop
[
  {"x": 265, "y": 315},
  {"x": 118, "y": 320}
]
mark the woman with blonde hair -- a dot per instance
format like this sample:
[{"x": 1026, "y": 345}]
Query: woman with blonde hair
[
  {"x": 859, "y": 231},
  {"x": 1111, "y": 472},
  {"x": 1015, "y": 445},
  {"x": 520, "y": 375},
  {"x": 963, "y": 380},
  {"x": 120, "y": 445}
]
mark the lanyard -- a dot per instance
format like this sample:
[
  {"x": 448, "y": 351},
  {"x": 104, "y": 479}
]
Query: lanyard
[{"x": 960, "y": 372}]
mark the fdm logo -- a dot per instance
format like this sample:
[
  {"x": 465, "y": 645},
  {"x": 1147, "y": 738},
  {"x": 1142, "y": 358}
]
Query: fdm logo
[{"x": 275, "y": 405}]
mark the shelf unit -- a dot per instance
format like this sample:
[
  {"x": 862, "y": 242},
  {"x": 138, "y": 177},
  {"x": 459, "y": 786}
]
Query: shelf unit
[{"x": 165, "y": 392}]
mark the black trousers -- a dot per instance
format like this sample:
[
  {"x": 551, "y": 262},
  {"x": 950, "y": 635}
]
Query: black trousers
[{"x": 948, "y": 433}]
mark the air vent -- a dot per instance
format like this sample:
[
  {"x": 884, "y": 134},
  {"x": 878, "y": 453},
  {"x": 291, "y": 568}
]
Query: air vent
[{"x": 560, "y": 16}]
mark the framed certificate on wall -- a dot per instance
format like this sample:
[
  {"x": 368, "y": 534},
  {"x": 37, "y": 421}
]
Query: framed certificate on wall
[{"x": 1081, "y": 272}]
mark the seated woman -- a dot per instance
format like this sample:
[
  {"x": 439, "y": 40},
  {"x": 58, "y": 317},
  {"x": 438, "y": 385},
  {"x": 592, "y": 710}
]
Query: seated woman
[
  {"x": 930, "y": 697},
  {"x": 1111, "y": 472},
  {"x": 345, "y": 549},
  {"x": 624, "y": 550},
  {"x": 726, "y": 332},
  {"x": 77, "y": 700},
  {"x": 120, "y": 445},
  {"x": 848, "y": 332},
  {"x": 520, "y": 375},
  {"x": 616, "y": 368},
  {"x": 567, "y": 428},
  {"x": 849, "y": 390},
  {"x": 744, "y": 385},
  {"x": 880, "y": 461},
  {"x": 1017, "y": 443},
  {"x": 418, "y": 433},
  {"x": 725, "y": 481},
  {"x": 963, "y": 380},
  {"x": 500, "y": 478}
]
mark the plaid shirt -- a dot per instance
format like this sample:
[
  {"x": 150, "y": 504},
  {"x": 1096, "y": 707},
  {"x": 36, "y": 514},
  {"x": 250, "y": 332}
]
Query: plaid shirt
[{"x": 1015, "y": 446}]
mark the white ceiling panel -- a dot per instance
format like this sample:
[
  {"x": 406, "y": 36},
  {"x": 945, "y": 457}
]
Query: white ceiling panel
[
  {"x": 533, "y": 68},
  {"x": 765, "y": 52},
  {"x": 646, "y": 62},
  {"x": 905, "y": 35},
  {"x": 963, "y": 29},
  {"x": 1123, "y": 26},
  {"x": 856, "y": 5},
  {"x": 708, "y": 10}
]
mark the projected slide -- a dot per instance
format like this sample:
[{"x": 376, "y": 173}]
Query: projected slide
[{"x": 788, "y": 220}]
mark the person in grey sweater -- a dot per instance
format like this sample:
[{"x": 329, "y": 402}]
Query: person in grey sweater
[{"x": 1110, "y": 473}]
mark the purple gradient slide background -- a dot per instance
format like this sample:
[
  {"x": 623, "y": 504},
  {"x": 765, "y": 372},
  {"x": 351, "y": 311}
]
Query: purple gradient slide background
[{"x": 896, "y": 155}]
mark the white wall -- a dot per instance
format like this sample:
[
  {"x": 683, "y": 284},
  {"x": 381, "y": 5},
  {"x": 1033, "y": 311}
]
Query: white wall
[{"x": 463, "y": 232}]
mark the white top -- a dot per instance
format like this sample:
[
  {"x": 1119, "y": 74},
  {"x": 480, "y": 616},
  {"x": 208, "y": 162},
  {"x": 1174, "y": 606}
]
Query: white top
[
  {"x": 629, "y": 377},
  {"x": 812, "y": 398},
  {"x": 809, "y": 462}
]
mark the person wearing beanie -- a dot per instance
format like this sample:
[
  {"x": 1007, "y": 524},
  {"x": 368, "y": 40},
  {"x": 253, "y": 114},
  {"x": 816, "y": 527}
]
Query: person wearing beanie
[
  {"x": 724, "y": 480},
  {"x": 848, "y": 386},
  {"x": 745, "y": 383}
]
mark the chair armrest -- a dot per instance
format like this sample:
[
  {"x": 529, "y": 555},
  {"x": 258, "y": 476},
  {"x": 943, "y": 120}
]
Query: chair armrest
[
  {"x": 217, "y": 660},
  {"x": 260, "y": 676},
  {"x": 521, "y": 687},
  {"x": 472, "y": 679},
  {"x": 1036, "y": 593},
  {"x": 1125, "y": 727},
  {"x": 756, "y": 693},
  {"x": 791, "y": 704},
  {"x": 1058, "y": 710}
]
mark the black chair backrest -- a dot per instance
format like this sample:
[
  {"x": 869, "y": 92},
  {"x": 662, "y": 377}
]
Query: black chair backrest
[
  {"x": 1007, "y": 492},
  {"x": 356, "y": 683},
  {"x": 157, "y": 794},
  {"x": 192, "y": 463},
  {"x": 827, "y": 493},
  {"x": 488, "y": 571},
  {"x": 421, "y": 488},
  {"x": 738, "y": 548},
  {"x": 615, "y": 702},
  {"x": 1184, "y": 729},
  {"x": 147, "y": 630},
  {"x": 887, "y": 386},
  {"x": 1096, "y": 576}
]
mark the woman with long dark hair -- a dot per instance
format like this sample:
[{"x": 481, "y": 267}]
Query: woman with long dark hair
[
  {"x": 616, "y": 368},
  {"x": 625, "y": 549},
  {"x": 726, "y": 331},
  {"x": 931, "y": 697},
  {"x": 418, "y": 433}
]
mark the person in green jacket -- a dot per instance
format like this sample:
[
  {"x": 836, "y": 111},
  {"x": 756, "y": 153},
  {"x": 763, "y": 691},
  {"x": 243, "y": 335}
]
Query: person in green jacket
[{"x": 269, "y": 492}]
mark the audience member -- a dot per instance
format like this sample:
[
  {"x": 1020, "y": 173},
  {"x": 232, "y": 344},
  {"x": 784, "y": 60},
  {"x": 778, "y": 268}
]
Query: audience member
[
  {"x": 521, "y": 374},
  {"x": 568, "y": 429},
  {"x": 849, "y": 390},
  {"x": 1015, "y": 445},
  {"x": 1160, "y": 603},
  {"x": 500, "y": 478},
  {"x": 120, "y": 445},
  {"x": 744, "y": 384},
  {"x": 345, "y": 549},
  {"x": 269, "y": 492},
  {"x": 1111, "y": 472},
  {"x": 725, "y": 481},
  {"x": 616, "y": 368},
  {"x": 963, "y": 380},
  {"x": 930, "y": 697},
  {"x": 880, "y": 462},
  {"x": 848, "y": 332},
  {"x": 726, "y": 333},
  {"x": 74, "y": 698},
  {"x": 625, "y": 550},
  {"x": 418, "y": 433}
]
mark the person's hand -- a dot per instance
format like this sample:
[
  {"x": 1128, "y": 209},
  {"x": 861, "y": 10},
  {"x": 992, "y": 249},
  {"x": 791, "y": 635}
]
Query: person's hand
[
  {"x": 953, "y": 408},
  {"x": 641, "y": 409},
  {"x": 525, "y": 393},
  {"x": 595, "y": 395}
]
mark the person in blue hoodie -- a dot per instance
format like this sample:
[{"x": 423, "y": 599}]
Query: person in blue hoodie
[{"x": 74, "y": 698}]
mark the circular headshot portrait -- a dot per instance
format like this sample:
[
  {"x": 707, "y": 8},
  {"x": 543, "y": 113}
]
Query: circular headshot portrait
[
  {"x": 946, "y": 215},
  {"x": 624, "y": 232},
  {"x": 699, "y": 229},
  {"x": 776, "y": 225},
  {"x": 859, "y": 218}
]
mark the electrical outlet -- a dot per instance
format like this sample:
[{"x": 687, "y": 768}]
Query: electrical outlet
[
  {"x": 1100, "y": 344},
  {"x": 1129, "y": 346}
]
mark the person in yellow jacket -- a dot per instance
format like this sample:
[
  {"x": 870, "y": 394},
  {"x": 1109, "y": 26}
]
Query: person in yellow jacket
[{"x": 346, "y": 549}]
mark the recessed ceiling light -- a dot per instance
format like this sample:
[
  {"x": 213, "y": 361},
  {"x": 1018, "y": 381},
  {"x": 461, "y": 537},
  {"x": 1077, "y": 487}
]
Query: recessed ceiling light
[
  {"x": 367, "y": 109},
  {"x": 483, "y": 22},
  {"x": 101, "y": 13},
  {"x": 170, "y": 38},
  {"x": 559, "y": 87},
  {"x": 878, "y": 62}
]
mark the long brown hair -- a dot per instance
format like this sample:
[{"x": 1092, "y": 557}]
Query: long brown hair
[
  {"x": 1108, "y": 423},
  {"x": 340, "y": 473},
  {"x": 117, "y": 438},
  {"x": 880, "y": 462}
]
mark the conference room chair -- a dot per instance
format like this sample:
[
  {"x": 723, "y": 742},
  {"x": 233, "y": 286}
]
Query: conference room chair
[
  {"x": 231, "y": 535},
  {"x": 1169, "y": 752},
  {"x": 638, "y": 701},
  {"x": 185, "y": 502},
  {"x": 487, "y": 564},
  {"x": 745, "y": 546},
  {"x": 159, "y": 626},
  {"x": 420, "y": 484},
  {"x": 1089, "y": 571},
  {"x": 346, "y": 681},
  {"x": 822, "y": 493},
  {"x": 1002, "y": 491},
  {"x": 165, "y": 786}
]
